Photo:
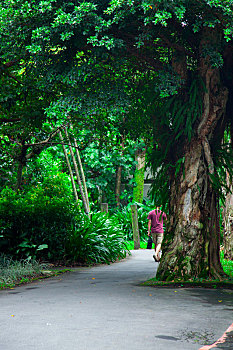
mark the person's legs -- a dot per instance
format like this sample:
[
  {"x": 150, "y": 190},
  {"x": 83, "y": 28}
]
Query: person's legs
[
  {"x": 154, "y": 238},
  {"x": 157, "y": 250},
  {"x": 159, "y": 243}
]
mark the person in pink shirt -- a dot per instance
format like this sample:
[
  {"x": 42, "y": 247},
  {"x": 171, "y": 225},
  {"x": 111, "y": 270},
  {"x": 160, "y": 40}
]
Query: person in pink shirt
[{"x": 155, "y": 228}]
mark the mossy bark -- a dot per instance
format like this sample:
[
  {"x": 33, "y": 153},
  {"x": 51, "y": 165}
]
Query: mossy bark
[
  {"x": 138, "y": 189},
  {"x": 139, "y": 177},
  {"x": 192, "y": 241},
  {"x": 228, "y": 224}
]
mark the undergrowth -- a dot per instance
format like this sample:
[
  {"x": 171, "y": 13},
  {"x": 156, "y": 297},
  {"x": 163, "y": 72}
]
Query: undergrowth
[{"x": 16, "y": 272}]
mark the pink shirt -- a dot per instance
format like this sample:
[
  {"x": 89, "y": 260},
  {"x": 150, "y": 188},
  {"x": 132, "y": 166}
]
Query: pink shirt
[{"x": 157, "y": 217}]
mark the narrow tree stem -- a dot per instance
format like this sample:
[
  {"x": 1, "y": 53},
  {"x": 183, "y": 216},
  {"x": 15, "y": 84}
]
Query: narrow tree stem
[{"x": 69, "y": 167}]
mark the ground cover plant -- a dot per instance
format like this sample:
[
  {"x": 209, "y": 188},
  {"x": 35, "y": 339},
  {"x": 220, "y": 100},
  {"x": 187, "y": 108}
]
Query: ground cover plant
[{"x": 14, "y": 272}]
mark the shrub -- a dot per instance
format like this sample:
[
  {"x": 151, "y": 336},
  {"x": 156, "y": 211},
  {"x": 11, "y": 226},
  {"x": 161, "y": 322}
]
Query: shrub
[
  {"x": 41, "y": 216},
  {"x": 39, "y": 219},
  {"x": 97, "y": 240}
]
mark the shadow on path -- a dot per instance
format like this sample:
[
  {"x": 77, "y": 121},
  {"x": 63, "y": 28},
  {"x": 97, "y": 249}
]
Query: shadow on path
[{"x": 104, "y": 307}]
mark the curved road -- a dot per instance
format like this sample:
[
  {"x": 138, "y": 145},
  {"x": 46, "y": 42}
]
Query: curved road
[{"x": 104, "y": 307}]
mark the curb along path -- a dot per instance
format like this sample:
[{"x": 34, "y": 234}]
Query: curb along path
[{"x": 104, "y": 307}]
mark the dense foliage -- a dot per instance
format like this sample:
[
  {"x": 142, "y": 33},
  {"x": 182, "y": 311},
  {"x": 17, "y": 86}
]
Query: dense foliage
[
  {"x": 39, "y": 216},
  {"x": 98, "y": 240},
  {"x": 128, "y": 66},
  {"x": 38, "y": 220}
]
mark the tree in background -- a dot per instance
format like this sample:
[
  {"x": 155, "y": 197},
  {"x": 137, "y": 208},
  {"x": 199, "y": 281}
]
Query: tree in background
[{"x": 140, "y": 158}]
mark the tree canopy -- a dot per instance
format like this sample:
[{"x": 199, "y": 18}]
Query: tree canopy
[{"x": 143, "y": 65}]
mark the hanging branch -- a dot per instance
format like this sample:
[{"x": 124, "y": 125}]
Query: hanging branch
[
  {"x": 77, "y": 174},
  {"x": 69, "y": 166}
]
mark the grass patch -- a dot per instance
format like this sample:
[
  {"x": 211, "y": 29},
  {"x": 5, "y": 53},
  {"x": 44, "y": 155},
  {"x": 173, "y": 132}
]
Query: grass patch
[
  {"x": 192, "y": 283},
  {"x": 227, "y": 265},
  {"x": 130, "y": 245},
  {"x": 14, "y": 273},
  {"x": 199, "y": 282}
]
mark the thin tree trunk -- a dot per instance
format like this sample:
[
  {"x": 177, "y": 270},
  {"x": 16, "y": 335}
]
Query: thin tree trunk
[
  {"x": 118, "y": 185},
  {"x": 69, "y": 167},
  {"x": 192, "y": 241},
  {"x": 82, "y": 175},
  {"x": 21, "y": 164},
  {"x": 81, "y": 171},
  {"x": 77, "y": 174},
  {"x": 119, "y": 174},
  {"x": 139, "y": 176},
  {"x": 19, "y": 175}
]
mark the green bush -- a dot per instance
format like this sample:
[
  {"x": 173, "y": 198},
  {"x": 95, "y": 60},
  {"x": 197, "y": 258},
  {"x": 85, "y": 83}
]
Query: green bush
[
  {"x": 41, "y": 216},
  {"x": 45, "y": 223},
  {"x": 97, "y": 240}
]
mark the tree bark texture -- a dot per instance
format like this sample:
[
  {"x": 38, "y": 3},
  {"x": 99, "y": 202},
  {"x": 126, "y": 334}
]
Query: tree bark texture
[
  {"x": 22, "y": 160},
  {"x": 118, "y": 185},
  {"x": 136, "y": 236},
  {"x": 192, "y": 242},
  {"x": 228, "y": 224},
  {"x": 118, "y": 176},
  {"x": 139, "y": 176}
]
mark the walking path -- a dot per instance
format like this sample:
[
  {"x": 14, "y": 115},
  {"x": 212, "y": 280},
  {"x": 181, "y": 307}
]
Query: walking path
[{"x": 104, "y": 307}]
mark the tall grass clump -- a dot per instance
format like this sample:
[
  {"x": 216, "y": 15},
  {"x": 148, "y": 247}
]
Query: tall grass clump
[{"x": 98, "y": 240}]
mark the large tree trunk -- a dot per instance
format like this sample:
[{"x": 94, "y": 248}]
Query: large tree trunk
[
  {"x": 191, "y": 245},
  {"x": 192, "y": 242}
]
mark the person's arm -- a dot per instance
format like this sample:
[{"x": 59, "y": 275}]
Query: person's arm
[{"x": 149, "y": 226}]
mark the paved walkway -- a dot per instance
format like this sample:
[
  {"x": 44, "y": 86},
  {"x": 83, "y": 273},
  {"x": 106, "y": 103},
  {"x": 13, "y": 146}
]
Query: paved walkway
[{"x": 104, "y": 307}]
